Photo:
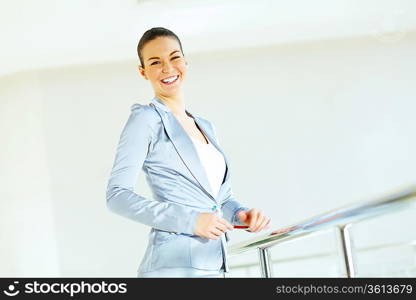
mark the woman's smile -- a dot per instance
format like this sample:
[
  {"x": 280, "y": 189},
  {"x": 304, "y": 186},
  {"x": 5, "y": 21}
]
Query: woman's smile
[{"x": 170, "y": 80}]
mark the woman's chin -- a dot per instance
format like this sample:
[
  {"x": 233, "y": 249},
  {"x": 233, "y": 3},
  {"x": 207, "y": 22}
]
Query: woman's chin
[
  {"x": 171, "y": 88},
  {"x": 170, "y": 92}
]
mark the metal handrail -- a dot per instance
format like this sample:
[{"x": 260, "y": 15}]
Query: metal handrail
[
  {"x": 325, "y": 254},
  {"x": 342, "y": 218}
]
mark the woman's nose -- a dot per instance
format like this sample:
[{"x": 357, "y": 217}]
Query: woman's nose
[{"x": 166, "y": 68}]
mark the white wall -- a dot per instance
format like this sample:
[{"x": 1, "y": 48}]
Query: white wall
[
  {"x": 28, "y": 225},
  {"x": 308, "y": 127},
  {"x": 44, "y": 35}
]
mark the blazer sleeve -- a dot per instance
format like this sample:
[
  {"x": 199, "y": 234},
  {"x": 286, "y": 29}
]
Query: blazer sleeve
[
  {"x": 230, "y": 206},
  {"x": 134, "y": 144}
]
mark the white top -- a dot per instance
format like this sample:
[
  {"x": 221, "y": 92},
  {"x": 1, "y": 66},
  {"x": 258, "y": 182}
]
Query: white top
[{"x": 213, "y": 162}]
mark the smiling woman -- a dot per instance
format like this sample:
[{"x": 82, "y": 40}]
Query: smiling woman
[
  {"x": 167, "y": 69},
  {"x": 194, "y": 207}
]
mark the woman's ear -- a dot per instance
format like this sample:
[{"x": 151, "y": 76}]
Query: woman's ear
[{"x": 142, "y": 72}]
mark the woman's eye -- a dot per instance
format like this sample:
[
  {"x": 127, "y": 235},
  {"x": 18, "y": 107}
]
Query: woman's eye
[{"x": 155, "y": 62}]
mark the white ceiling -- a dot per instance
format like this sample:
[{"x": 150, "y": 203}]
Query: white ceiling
[{"x": 54, "y": 33}]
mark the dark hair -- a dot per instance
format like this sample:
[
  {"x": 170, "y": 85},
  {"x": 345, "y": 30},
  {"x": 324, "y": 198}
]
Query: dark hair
[{"x": 152, "y": 34}]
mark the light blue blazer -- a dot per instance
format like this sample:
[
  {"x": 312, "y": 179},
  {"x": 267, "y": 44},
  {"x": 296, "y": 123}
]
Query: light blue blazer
[{"x": 154, "y": 141}]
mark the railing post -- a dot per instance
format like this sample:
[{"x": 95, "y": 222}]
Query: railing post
[
  {"x": 346, "y": 249},
  {"x": 265, "y": 263}
]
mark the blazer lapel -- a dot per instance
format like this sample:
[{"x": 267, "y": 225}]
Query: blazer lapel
[
  {"x": 184, "y": 145},
  {"x": 213, "y": 141}
]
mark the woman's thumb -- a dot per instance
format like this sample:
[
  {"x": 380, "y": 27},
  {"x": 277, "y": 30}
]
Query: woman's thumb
[{"x": 242, "y": 215}]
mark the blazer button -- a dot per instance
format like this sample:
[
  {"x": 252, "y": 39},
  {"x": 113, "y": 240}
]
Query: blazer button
[{"x": 217, "y": 210}]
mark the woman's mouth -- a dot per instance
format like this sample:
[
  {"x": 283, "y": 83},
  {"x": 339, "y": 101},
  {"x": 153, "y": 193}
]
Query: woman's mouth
[{"x": 170, "y": 80}]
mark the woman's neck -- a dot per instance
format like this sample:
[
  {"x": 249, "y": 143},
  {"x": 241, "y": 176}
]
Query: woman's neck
[{"x": 176, "y": 104}]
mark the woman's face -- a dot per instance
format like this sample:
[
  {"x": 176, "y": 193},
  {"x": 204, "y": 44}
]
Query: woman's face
[{"x": 163, "y": 59}]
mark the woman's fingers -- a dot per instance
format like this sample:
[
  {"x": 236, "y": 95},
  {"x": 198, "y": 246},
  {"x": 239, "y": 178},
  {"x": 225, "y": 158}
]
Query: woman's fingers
[
  {"x": 221, "y": 227},
  {"x": 263, "y": 224},
  {"x": 225, "y": 223},
  {"x": 216, "y": 232},
  {"x": 253, "y": 220},
  {"x": 212, "y": 236},
  {"x": 212, "y": 226},
  {"x": 258, "y": 220}
]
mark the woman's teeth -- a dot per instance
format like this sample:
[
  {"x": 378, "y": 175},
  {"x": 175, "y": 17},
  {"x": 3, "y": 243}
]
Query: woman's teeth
[{"x": 170, "y": 79}]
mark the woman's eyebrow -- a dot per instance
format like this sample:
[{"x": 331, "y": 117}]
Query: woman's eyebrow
[{"x": 159, "y": 57}]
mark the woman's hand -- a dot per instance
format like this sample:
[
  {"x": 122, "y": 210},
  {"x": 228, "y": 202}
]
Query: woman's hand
[
  {"x": 211, "y": 226},
  {"x": 255, "y": 219}
]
